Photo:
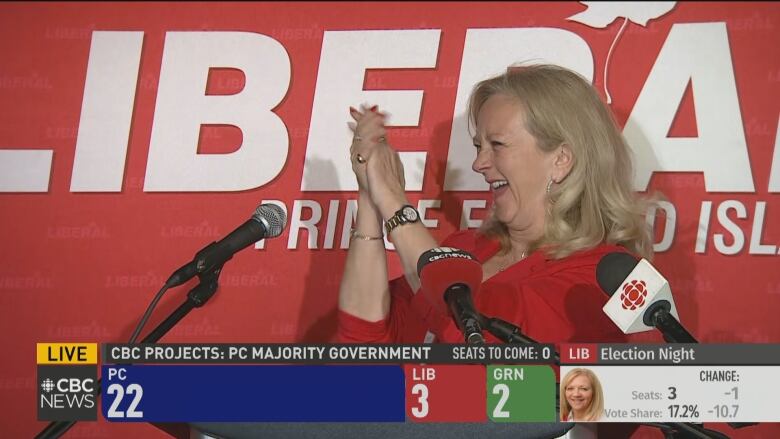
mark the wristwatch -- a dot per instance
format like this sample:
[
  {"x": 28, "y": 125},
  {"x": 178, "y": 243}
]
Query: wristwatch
[{"x": 405, "y": 215}]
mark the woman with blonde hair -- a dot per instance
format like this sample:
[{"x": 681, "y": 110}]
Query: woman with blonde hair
[
  {"x": 560, "y": 179},
  {"x": 582, "y": 398}
]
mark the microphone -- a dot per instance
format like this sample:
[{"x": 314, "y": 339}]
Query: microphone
[
  {"x": 268, "y": 221},
  {"x": 640, "y": 298},
  {"x": 456, "y": 273}
]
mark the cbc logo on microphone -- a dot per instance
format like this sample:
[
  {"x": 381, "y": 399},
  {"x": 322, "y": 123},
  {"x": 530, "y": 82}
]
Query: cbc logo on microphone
[
  {"x": 445, "y": 250},
  {"x": 633, "y": 295},
  {"x": 437, "y": 253}
]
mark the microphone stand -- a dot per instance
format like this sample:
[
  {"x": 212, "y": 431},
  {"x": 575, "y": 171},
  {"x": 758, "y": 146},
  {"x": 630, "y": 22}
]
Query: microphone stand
[
  {"x": 196, "y": 298},
  {"x": 658, "y": 315},
  {"x": 510, "y": 333},
  {"x": 686, "y": 430}
]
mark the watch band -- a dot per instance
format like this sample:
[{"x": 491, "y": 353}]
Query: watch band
[
  {"x": 400, "y": 217},
  {"x": 392, "y": 222}
]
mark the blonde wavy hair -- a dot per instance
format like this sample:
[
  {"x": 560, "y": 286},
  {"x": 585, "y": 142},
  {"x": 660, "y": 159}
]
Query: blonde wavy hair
[
  {"x": 596, "y": 407},
  {"x": 595, "y": 203}
]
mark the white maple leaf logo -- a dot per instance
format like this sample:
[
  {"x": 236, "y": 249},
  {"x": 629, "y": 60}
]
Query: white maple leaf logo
[{"x": 602, "y": 14}]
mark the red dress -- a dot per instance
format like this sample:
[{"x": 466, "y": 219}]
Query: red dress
[{"x": 552, "y": 301}]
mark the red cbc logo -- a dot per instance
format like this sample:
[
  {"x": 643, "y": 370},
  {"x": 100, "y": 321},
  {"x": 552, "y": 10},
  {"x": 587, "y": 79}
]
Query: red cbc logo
[{"x": 633, "y": 295}]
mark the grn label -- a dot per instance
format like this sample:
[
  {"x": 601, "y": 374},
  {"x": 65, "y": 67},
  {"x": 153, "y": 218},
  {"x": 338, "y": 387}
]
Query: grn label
[{"x": 521, "y": 394}]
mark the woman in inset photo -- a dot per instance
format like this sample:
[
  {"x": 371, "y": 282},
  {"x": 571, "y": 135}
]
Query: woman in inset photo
[{"x": 581, "y": 396}]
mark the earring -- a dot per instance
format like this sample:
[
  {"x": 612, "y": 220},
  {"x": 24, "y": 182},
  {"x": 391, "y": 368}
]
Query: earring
[{"x": 549, "y": 185}]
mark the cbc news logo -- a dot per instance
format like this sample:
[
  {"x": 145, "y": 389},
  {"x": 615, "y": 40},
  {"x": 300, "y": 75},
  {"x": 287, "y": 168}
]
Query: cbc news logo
[
  {"x": 67, "y": 393},
  {"x": 47, "y": 385}
]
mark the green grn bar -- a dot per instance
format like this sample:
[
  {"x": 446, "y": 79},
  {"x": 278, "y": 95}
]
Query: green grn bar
[{"x": 521, "y": 394}]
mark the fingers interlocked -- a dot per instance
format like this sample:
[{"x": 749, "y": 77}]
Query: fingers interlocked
[{"x": 369, "y": 131}]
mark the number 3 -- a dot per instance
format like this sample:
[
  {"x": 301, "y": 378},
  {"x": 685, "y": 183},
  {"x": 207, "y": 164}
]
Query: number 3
[{"x": 421, "y": 412}]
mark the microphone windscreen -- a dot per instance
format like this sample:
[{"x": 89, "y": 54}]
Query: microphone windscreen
[
  {"x": 613, "y": 269},
  {"x": 272, "y": 217},
  {"x": 442, "y": 267}
]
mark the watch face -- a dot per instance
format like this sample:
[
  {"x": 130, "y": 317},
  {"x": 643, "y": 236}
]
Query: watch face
[{"x": 410, "y": 214}]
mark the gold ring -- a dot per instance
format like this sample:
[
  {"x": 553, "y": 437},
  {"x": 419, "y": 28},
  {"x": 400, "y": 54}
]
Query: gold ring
[{"x": 360, "y": 158}]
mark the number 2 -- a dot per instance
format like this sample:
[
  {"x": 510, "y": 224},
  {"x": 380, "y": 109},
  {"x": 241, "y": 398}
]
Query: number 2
[{"x": 498, "y": 411}]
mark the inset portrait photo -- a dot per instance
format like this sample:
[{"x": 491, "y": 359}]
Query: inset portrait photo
[{"x": 582, "y": 398}]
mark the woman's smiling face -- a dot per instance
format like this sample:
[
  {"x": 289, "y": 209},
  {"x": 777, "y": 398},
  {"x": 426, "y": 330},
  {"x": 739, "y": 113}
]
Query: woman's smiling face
[
  {"x": 579, "y": 393},
  {"x": 511, "y": 162}
]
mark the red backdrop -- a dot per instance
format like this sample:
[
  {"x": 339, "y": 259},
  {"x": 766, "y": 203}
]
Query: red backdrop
[{"x": 133, "y": 134}]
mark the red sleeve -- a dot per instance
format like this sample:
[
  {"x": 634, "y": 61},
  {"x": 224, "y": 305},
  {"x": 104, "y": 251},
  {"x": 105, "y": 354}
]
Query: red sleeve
[
  {"x": 405, "y": 323},
  {"x": 410, "y": 316},
  {"x": 353, "y": 329}
]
